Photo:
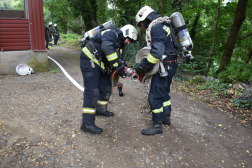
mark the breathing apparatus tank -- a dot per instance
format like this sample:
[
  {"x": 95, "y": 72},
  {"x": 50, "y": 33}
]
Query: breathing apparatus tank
[
  {"x": 91, "y": 33},
  {"x": 182, "y": 34}
]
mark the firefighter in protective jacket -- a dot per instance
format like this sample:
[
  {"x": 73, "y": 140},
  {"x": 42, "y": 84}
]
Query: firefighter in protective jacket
[
  {"x": 161, "y": 44},
  {"x": 97, "y": 59},
  {"x": 55, "y": 34},
  {"x": 51, "y": 30}
]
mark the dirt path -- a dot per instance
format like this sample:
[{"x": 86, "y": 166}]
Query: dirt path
[{"x": 41, "y": 116}]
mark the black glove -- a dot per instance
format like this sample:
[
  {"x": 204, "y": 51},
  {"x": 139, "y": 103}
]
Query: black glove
[
  {"x": 139, "y": 68},
  {"x": 120, "y": 69},
  {"x": 124, "y": 64}
]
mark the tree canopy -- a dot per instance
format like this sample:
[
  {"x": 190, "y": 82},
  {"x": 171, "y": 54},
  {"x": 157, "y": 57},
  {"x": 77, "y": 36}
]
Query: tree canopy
[{"x": 232, "y": 31}]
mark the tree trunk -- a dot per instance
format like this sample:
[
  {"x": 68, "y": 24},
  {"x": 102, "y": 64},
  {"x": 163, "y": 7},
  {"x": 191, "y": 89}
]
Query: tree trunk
[
  {"x": 195, "y": 24},
  {"x": 249, "y": 55},
  {"x": 162, "y": 8},
  {"x": 239, "y": 18},
  {"x": 180, "y": 6},
  {"x": 214, "y": 39}
]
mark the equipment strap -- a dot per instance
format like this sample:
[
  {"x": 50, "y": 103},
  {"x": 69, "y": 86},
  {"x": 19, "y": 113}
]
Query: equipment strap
[{"x": 178, "y": 29}]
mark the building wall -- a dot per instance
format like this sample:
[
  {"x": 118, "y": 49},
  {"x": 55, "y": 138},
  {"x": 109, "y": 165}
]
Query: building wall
[
  {"x": 38, "y": 61},
  {"x": 14, "y": 34},
  {"x": 25, "y": 38},
  {"x": 36, "y": 21}
]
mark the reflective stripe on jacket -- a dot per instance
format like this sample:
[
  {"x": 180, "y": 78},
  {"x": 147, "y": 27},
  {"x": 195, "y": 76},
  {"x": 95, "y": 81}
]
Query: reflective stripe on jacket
[
  {"x": 92, "y": 57},
  {"x": 161, "y": 41}
]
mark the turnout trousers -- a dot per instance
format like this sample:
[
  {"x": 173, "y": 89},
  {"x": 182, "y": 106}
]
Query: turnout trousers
[
  {"x": 97, "y": 89},
  {"x": 159, "y": 98}
]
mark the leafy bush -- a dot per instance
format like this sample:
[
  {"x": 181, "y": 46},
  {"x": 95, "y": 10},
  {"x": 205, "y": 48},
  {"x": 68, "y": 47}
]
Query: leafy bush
[
  {"x": 130, "y": 53},
  {"x": 216, "y": 87},
  {"x": 238, "y": 71},
  {"x": 196, "y": 80},
  {"x": 240, "y": 102},
  {"x": 70, "y": 40},
  {"x": 198, "y": 65}
]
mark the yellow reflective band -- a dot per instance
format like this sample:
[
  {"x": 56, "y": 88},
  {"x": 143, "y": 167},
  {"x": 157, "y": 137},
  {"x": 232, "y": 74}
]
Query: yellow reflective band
[
  {"x": 152, "y": 59},
  {"x": 167, "y": 29},
  {"x": 90, "y": 56},
  {"x": 112, "y": 57},
  {"x": 167, "y": 103},
  {"x": 88, "y": 110},
  {"x": 102, "y": 102},
  {"x": 121, "y": 50},
  {"x": 115, "y": 64},
  {"x": 104, "y": 31},
  {"x": 158, "y": 110}
]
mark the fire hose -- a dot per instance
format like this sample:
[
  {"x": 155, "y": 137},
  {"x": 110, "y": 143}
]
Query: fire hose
[
  {"x": 67, "y": 75},
  {"x": 128, "y": 72}
]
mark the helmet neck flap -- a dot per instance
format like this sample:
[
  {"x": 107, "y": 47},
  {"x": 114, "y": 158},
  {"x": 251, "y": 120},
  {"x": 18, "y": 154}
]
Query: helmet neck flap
[{"x": 152, "y": 16}]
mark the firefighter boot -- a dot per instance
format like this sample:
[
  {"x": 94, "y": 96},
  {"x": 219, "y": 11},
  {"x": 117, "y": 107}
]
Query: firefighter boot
[
  {"x": 167, "y": 115},
  {"x": 156, "y": 128},
  {"x": 166, "y": 120},
  {"x": 92, "y": 128},
  {"x": 101, "y": 110}
]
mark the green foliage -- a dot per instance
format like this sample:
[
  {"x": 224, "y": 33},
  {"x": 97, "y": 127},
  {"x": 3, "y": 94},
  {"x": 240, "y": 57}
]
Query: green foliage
[
  {"x": 198, "y": 64},
  {"x": 70, "y": 40},
  {"x": 87, "y": 9},
  {"x": 240, "y": 102},
  {"x": 196, "y": 80},
  {"x": 52, "y": 71},
  {"x": 11, "y": 4},
  {"x": 130, "y": 53},
  {"x": 199, "y": 15},
  {"x": 237, "y": 70},
  {"x": 217, "y": 87}
]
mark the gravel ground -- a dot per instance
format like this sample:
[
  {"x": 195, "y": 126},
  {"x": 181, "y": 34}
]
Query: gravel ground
[{"x": 41, "y": 117}]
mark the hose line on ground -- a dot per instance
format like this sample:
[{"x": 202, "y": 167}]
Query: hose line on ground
[{"x": 67, "y": 75}]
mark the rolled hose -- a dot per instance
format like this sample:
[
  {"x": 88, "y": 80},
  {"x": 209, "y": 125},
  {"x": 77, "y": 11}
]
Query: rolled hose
[
  {"x": 67, "y": 75},
  {"x": 143, "y": 53}
]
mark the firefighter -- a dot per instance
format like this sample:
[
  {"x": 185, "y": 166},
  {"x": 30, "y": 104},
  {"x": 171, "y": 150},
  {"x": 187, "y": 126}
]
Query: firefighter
[
  {"x": 97, "y": 59},
  {"x": 161, "y": 44},
  {"x": 47, "y": 36},
  {"x": 50, "y": 33},
  {"x": 55, "y": 34}
]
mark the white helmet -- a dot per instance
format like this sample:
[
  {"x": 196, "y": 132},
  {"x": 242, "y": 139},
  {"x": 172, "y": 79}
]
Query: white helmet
[
  {"x": 23, "y": 69},
  {"x": 50, "y": 23},
  {"x": 55, "y": 25},
  {"x": 130, "y": 31},
  {"x": 143, "y": 13}
]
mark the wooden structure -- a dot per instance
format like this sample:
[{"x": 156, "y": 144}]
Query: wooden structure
[{"x": 23, "y": 30}]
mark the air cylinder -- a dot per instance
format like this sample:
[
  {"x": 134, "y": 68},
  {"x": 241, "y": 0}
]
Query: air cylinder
[
  {"x": 91, "y": 33},
  {"x": 183, "y": 35}
]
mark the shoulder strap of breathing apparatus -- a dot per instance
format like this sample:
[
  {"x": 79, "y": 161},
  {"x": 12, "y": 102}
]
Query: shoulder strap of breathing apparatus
[
  {"x": 177, "y": 47},
  {"x": 165, "y": 21}
]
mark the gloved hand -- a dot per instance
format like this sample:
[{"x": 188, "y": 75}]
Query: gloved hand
[
  {"x": 120, "y": 69},
  {"x": 124, "y": 64},
  {"x": 139, "y": 68}
]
